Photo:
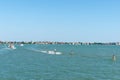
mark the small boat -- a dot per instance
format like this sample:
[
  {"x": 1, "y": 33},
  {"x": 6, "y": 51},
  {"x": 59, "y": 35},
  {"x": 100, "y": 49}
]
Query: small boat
[
  {"x": 51, "y": 52},
  {"x": 54, "y": 52},
  {"x": 11, "y": 46},
  {"x": 21, "y": 44}
]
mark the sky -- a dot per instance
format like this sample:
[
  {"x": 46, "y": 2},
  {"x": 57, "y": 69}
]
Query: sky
[{"x": 60, "y": 20}]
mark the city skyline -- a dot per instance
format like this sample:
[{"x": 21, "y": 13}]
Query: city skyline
[{"x": 60, "y": 20}]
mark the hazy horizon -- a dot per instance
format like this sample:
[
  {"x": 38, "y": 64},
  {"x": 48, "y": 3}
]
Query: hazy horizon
[{"x": 60, "y": 20}]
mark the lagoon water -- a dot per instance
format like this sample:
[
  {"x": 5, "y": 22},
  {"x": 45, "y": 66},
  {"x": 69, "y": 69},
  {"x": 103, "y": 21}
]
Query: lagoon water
[{"x": 75, "y": 62}]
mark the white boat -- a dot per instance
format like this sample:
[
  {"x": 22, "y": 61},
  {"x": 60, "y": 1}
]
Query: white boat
[
  {"x": 21, "y": 44},
  {"x": 11, "y": 46},
  {"x": 53, "y": 52}
]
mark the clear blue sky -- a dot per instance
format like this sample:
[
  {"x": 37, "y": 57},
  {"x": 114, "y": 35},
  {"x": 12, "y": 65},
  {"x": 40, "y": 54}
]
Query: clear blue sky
[{"x": 60, "y": 20}]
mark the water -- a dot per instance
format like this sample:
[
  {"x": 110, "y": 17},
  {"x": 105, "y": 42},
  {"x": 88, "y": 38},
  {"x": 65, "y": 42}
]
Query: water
[{"x": 75, "y": 62}]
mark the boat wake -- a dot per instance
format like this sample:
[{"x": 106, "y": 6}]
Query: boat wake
[{"x": 52, "y": 52}]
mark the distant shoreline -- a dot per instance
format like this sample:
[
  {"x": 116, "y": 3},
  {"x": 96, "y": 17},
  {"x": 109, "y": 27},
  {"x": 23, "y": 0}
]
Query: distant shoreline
[{"x": 50, "y": 42}]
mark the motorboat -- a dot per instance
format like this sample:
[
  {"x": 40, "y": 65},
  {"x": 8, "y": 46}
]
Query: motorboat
[
  {"x": 21, "y": 44},
  {"x": 11, "y": 46}
]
